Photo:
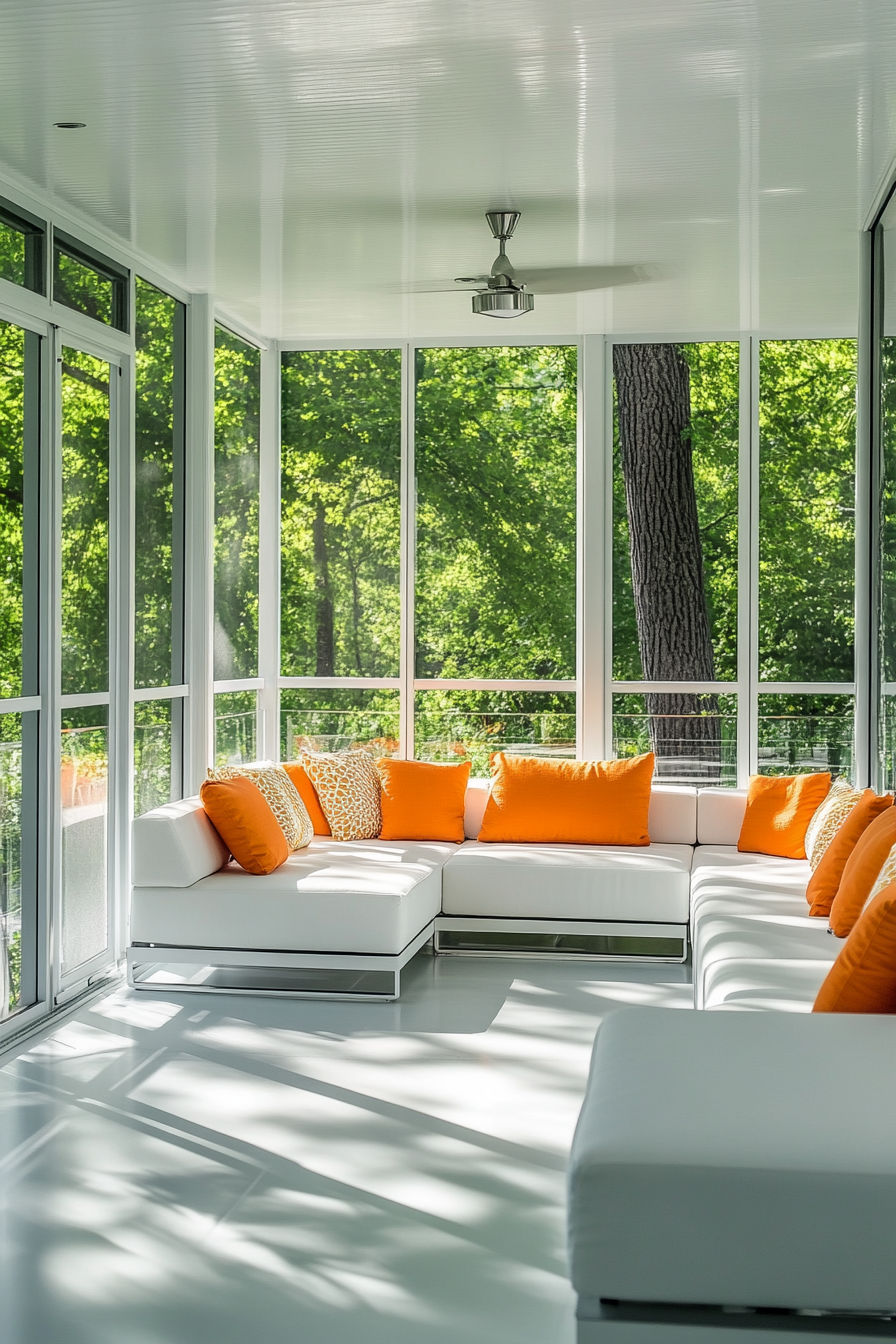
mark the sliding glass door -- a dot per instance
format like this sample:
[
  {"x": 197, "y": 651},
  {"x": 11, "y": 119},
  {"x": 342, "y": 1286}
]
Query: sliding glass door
[
  {"x": 20, "y": 355},
  {"x": 88, "y": 388}
]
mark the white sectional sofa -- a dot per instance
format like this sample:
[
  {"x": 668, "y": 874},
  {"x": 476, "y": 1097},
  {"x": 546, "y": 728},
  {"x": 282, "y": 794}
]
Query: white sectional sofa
[{"x": 342, "y": 919}]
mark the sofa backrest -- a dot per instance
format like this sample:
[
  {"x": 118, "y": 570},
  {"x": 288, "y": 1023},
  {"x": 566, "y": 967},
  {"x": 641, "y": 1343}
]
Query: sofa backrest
[
  {"x": 672, "y": 819},
  {"x": 176, "y": 845},
  {"x": 720, "y": 815}
]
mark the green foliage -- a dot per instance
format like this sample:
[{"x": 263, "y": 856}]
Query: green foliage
[
  {"x": 12, "y": 254},
  {"x": 12, "y": 499},
  {"x": 495, "y": 445},
  {"x": 237, "y": 402},
  {"x": 81, "y": 287},
  {"x": 340, "y": 512},
  {"x": 887, "y": 523},
  {"x": 156, "y": 318},
  {"x": 807, "y": 425},
  {"x": 85, "y": 523},
  {"x": 235, "y": 727},
  {"x": 338, "y": 720},
  {"x": 153, "y": 725},
  {"x": 453, "y": 726},
  {"x": 714, "y": 369}
]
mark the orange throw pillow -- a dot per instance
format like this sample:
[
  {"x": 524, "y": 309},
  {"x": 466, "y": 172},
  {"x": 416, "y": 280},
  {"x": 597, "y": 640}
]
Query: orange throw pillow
[
  {"x": 825, "y": 881},
  {"x": 569, "y": 802},
  {"x": 308, "y": 795},
  {"x": 244, "y": 820},
  {"x": 422, "y": 801},
  {"x": 862, "y": 871},
  {"x": 779, "y": 809},
  {"x": 863, "y": 978}
]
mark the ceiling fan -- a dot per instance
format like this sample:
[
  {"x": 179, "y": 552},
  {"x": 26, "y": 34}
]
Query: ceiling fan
[{"x": 505, "y": 292}]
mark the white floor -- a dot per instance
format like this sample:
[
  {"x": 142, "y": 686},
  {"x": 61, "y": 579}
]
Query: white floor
[{"x": 181, "y": 1169}]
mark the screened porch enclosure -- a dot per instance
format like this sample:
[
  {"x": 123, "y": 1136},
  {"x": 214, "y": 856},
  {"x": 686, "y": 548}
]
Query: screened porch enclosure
[
  {"x": 466, "y": 559},
  {"x": 222, "y": 548}
]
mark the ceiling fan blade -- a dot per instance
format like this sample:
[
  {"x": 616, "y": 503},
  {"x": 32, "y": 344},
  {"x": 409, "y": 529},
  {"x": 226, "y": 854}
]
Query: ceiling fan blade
[{"x": 573, "y": 279}]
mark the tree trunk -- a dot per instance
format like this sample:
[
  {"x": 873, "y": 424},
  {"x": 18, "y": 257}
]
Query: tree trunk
[
  {"x": 654, "y": 407},
  {"x": 325, "y": 642}
]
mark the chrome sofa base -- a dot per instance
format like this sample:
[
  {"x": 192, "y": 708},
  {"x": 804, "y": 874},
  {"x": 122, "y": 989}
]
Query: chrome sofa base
[
  {"x": 660, "y": 1323},
  {"x": 560, "y": 939},
  {"x": 293, "y": 975}
]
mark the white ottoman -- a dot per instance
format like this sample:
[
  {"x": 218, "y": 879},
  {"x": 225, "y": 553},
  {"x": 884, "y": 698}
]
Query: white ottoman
[{"x": 735, "y": 1161}]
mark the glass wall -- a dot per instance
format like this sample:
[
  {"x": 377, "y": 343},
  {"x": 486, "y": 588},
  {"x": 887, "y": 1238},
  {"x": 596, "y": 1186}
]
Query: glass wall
[
  {"x": 675, "y": 554},
  {"x": 19, "y": 486},
  {"x": 807, "y": 541},
  {"x": 160, "y": 332},
  {"x": 884, "y": 483},
  {"x": 237, "y": 413},
  {"x": 84, "y": 775}
]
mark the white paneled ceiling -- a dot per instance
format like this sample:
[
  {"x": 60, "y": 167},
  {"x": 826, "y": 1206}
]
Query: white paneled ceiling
[{"x": 306, "y": 159}]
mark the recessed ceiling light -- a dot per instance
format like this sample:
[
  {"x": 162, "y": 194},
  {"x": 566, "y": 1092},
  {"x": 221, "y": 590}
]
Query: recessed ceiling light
[{"x": 70, "y": 125}]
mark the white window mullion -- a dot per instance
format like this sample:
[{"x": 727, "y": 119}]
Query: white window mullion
[
  {"x": 594, "y": 554},
  {"x": 752, "y": 483},
  {"x": 199, "y": 551},
  {"x": 268, "y": 730},
  {"x": 407, "y": 556},
  {"x": 746, "y": 754}
]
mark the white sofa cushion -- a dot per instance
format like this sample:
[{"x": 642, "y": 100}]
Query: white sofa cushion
[
  {"x": 703, "y": 1168},
  {"x": 175, "y": 846},
  {"x": 648, "y": 883},
  {"x": 363, "y": 896},
  {"x": 720, "y": 815},
  {"x": 781, "y": 986},
  {"x": 751, "y": 908}
]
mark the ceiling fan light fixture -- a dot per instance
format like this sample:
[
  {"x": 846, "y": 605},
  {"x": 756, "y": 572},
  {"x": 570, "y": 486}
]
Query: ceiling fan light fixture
[{"x": 503, "y": 302}]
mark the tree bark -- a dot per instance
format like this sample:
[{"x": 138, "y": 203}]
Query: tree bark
[
  {"x": 654, "y": 410},
  {"x": 325, "y": 639}
]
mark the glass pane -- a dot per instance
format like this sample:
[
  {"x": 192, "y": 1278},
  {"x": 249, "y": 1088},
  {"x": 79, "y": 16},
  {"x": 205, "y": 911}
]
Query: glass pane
[
  {"x": 22, "y": 251},
  {"x": 340, "y": 513},
  {"x": 156, "y": 773},
  {"x": 807, "y": 431},
  {"x": 85, "y": 523},
  {"x": 887, "y": 742},
  {"x": 12, "y": 507},
  {"x": 496, "y": 512},
  {"x": 237, "y": 403},
  {"x": 158, "y": 555},
  {"x": 333, "y": 720},
  {"x": 454, "y": 726},
  {"x": 694, "y": 736},
  {"x": 886, "y": 583},
  {"x": 89, "y": 289},
  {"x": 12, "y": 254},
  {"x": 675, "y": 455},
  {"x": 236, "y": 731},
  {"x": 13, "y": 930},
  {"x": 83, "y": 782},
  {"x": 804, "y": 734}
]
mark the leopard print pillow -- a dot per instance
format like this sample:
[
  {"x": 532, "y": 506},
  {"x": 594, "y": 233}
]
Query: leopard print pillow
[
  {"x": 280, "y": 794},
  {"x": 827, "y": 819},
  {"x": 348, "y": 786}
]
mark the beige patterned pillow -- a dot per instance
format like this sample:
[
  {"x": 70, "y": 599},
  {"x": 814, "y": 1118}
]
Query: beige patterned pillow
[
  {"x": 827, "y": 819},
  {"x": 281, "y": 795},
  {"x": 886, "y": 875},
  {"x": 348, "y": 786}
]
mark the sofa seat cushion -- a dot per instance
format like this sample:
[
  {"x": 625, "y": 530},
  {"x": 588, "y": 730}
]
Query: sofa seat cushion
[
  {"x": 783, "y": 986},
  {"x": 505, "y": 881},
  {"x": 363, "y": 896},
  {"x": 704, "y": 1169},
  {"x": 751, "y": 907}
]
